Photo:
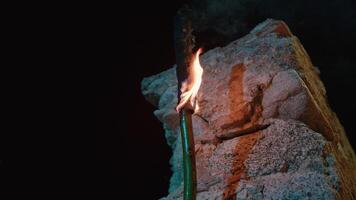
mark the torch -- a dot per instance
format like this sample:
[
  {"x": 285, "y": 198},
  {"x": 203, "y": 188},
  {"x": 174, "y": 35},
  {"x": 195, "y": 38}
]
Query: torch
[{"x": 189, "y": 76}]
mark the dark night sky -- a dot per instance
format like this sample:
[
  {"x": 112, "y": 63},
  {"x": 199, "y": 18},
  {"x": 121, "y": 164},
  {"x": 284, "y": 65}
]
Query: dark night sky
[{"x": 131, "y": 155}]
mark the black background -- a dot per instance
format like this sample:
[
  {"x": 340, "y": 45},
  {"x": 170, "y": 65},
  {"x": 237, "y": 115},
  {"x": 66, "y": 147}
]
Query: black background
[{"x": 134, "y": 41}]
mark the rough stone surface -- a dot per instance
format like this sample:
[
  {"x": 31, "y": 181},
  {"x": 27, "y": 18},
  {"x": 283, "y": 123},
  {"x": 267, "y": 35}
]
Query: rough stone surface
[{"x": 264, "y": 129}]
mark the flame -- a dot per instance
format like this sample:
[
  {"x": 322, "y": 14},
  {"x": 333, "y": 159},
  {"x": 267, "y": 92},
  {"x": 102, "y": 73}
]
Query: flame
[{"x": 191, "y": 85}]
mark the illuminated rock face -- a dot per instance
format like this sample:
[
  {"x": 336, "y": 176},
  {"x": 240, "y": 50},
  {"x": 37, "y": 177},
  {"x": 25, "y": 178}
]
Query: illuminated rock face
[{"x": 264, "y": 129}]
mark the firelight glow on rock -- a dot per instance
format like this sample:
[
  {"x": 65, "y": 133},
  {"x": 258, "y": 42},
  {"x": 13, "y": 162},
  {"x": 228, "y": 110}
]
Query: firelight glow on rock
[{"x": 264, "y": 129}]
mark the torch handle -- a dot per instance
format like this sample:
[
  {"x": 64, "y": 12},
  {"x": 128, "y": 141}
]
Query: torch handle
[
  {"x": 190, "y": 180},
  {"x": 184, "y": 44}
]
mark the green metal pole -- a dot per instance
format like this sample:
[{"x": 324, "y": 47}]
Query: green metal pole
[{"x": 190, "y": 180}]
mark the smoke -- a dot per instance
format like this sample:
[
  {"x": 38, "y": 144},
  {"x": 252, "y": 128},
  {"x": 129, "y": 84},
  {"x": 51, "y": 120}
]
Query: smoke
[
  {"x": 327, "y": 30},
  {"x": 324, "y": 27}
]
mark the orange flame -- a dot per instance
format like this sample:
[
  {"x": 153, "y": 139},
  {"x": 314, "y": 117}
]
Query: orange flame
[{"x": 191, "y": 85}]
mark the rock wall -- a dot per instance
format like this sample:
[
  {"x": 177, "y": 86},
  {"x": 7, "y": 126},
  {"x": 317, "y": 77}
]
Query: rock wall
[{"x": 264, "y": 129}]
